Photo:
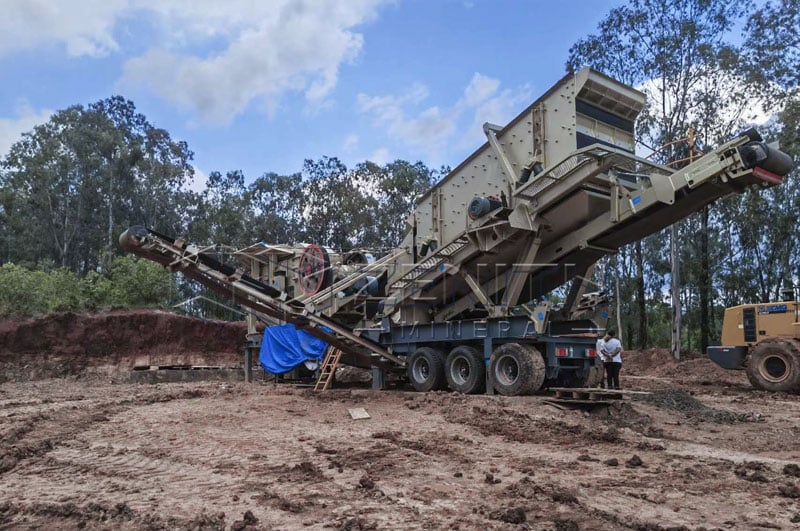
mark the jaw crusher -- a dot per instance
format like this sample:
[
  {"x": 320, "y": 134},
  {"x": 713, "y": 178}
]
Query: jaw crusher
[{"x": 462, "y": 302}]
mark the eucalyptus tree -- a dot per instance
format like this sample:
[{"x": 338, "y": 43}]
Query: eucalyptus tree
[
  {"x": 672, "y": 51},
  {"x": 72, "y": 184}
]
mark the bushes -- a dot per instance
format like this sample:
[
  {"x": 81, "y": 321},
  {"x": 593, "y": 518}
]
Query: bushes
[
  {"x": 22, "y": 292},
  {"x": 129, "y": 282}
]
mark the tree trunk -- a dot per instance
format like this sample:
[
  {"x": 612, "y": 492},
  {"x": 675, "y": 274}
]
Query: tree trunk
[
  {"x": 110, "y": 242},
  {"x": 619, "y": 302},
  {"x": 675, "y": 283},
  {"x": 705, "y": 281},
  {"x": 640, "y": 295}
]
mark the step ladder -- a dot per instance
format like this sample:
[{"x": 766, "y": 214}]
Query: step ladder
[
  {"x": 431, "y": 266},
  {"x": 328, "y": 368}
]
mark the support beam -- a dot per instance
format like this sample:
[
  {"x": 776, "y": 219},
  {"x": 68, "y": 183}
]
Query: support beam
[
  {"x": 577, "y": 289},
  {"x": 519, "y": 273},
  {"x": 478, "y": 292},
  {"x": 491, "y": 134},
  {"x": 378, "y": 378}
]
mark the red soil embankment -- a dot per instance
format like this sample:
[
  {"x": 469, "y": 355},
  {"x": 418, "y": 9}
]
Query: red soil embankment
[{"x": 70, "y": 344}]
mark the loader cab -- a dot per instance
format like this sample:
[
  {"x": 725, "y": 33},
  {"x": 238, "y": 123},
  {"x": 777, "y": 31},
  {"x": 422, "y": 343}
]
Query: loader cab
[{"x": 749, "y": 324}]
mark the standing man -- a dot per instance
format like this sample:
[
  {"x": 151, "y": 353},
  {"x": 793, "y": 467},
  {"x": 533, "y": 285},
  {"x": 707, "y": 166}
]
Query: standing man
[
  {"x": 601, "y": 357},
  {"x": 612, "y": 355}
]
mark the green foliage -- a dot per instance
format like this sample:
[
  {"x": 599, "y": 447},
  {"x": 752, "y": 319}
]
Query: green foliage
[
  {"x": 772, "y": 49},
  {"x": 70, "y": 186},
  {"x": 22, "y": 291},
  {"x": 130, "y": 282},
  {"x": 139, "y": 283}
]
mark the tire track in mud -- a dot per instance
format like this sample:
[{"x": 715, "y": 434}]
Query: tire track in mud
[
  {"x": 37, "y": 432},
  {"x": 130, "y": 472},
  {"x": 421, "y": 462},
  {"x": 703, "y": 473}
]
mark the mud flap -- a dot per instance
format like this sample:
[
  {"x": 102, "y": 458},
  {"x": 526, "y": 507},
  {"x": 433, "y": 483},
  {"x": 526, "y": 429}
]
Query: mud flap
[{"x": 728, "y": 357}]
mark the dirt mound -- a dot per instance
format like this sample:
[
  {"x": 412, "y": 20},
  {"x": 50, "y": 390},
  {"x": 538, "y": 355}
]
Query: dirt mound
[
  {"x": 693, "y": 367},
  {"x": 72, "y": 344}
]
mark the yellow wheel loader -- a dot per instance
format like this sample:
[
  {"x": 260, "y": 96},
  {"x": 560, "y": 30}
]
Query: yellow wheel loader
[{"x": 764, "y": 340}]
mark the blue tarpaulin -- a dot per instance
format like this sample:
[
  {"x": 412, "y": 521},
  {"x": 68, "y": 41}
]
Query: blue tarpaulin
[{"x": 284, "y": 347}]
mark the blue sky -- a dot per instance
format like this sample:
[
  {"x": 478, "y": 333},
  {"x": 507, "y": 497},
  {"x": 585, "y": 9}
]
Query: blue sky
[{"x": 261, "y": 85}]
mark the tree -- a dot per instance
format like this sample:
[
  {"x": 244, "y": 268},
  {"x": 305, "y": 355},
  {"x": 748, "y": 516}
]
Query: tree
[
  {"x": 396, "y": 187},
  {"x": 672, "y": 50},
  {"x": 278, "y": 203},
  {"x": 772, "y": 45},
  {"x": 224, "y": 214},
  {"x": 72, "y": 184},
  {"x": 339, "y": 205}
]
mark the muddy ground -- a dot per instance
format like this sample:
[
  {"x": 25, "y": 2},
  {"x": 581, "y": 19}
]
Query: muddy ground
[{"x": 703, "y": 451}]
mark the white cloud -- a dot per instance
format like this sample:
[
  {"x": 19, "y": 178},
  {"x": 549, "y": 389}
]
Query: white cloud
[
  {"x": 480, "y": 87},
  {"x": 293, "y": 46},
  {"x": 430, "y": 131},
  {"x": 380, "y": 156},
  {"x": 26, "y": 119},
  {"x": 350, "y": 143},
  {"x": 83, "y": 27},
  {"x": 253, "y": 52},
  {"x": 427, "y": 130},
  {"x": 198, "y": 181},
  {"x": 498, "y": 109}
]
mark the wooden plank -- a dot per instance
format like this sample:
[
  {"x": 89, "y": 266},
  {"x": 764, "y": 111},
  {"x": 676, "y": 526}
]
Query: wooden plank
[
  {"x": 557, "y": 402},
  {"x": 596, "y": 396},
  {"x": 597, "y": 390}
]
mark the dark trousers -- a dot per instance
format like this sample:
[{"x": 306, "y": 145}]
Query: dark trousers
[{"x": 612, "y": 374}]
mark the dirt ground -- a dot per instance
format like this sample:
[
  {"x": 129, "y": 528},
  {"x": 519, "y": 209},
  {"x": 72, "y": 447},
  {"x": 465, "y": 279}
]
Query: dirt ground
[{"x": 702, "y": 451}]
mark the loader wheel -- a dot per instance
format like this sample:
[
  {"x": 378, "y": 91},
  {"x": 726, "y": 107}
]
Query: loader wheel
[
  {"x": 465, "y": 370},
  {"x": 426, "y": 369},
  {"x": 517, "y": 369},
  {"x": 775, "y": 366}
]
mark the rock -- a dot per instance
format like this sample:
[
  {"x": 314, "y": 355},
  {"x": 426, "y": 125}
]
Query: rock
[
  {"x": 634, "y": 461},
  {"x": 611, "y": 462},
  {"x": 566, "y": 525},
  {"x": 789, "y": 491},
  {"x": 512, "y": 515},
  {"x": 792, "y": 470}
]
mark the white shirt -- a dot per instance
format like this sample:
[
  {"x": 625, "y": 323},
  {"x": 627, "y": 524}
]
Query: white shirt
[
  {"x": 599, "y": 348},
  {"x": 611, "y": 346}
]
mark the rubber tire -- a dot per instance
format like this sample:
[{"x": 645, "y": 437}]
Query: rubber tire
[
  {"x": 593, "y": 378},
  {"x": 528, "y": 364},
  {"x": 434, "y": 361},
  {"x": 786, "y": 351},
  {"x": 596, "y": 376},
  {"x": 475, "y": 381}
]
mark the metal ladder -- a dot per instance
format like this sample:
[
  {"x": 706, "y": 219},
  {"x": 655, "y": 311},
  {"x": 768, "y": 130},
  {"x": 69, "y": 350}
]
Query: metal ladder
[{"x": 328, "y": 368}]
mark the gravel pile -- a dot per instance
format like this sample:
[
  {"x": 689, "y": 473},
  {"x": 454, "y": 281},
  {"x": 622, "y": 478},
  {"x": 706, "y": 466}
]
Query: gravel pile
[{"x": 683, "y": 402}]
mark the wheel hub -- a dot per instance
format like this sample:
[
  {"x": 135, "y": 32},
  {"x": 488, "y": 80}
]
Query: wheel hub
[
  {"x": 460, "y": 370},
  {"x": 421, "y": 370},
  {"x": 507, "y": 370},
  {"x": 774, "y": 368}
]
